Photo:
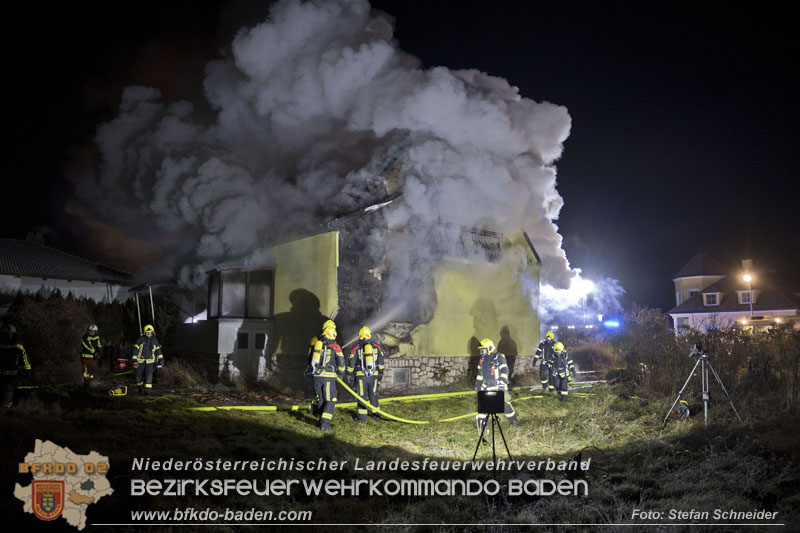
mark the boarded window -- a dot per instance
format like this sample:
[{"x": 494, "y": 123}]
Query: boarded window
[
  {"x": 261, "y": 341},
  {"x": 242, "y": 340}
]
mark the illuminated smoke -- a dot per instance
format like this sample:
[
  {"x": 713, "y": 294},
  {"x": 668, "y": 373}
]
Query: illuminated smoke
[{"x": 308, "y": 110}]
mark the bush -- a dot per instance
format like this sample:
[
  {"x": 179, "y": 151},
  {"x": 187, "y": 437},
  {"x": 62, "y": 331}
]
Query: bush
[
  {"x": 51, "y": 328},
  {"x": 596, "y": 355},
  {"x": 178, "y": 373},
  {"x": 760, "y": 370}
]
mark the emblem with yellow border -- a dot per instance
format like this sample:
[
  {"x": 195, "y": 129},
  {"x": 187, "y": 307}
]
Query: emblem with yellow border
[{"x": 48, "y": 499}]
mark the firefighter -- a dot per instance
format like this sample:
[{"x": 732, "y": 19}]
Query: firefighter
[
  {"x": 327, "y": 363},
  {"x": 544, "y": 354},
  {"x": 90, "y": 353},
  {"x": 366, "y": 365},
  {"x": 563, "y": 371},
  {"x": 327, "y": 325},
  {"x": 13, "y": 362},
  {"x": 147, "y": 358},
  {"x": 492, "y": 376}
]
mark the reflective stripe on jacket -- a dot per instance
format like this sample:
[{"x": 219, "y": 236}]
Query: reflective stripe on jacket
[
  {"x": 90, "y": 346},
  {"x": 147, "y": 350},
  {"x": 13, "y": 358}
]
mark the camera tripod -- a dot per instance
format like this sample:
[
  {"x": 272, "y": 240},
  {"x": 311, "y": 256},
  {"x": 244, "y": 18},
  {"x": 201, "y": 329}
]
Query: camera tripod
[
  {"x": 495, "y": 420},
  {"x": 705, "y": 366}
]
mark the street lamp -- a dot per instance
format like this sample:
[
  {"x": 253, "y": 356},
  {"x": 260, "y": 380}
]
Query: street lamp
[{"x": 748, "y": 278}]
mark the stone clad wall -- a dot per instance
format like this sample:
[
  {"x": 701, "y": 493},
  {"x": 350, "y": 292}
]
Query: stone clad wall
[
  {"x": 423, "y": 372},
  {"x": 437, "y": 371}
]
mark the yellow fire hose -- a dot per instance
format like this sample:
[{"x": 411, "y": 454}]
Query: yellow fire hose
[{"x": 366, "y": 403}]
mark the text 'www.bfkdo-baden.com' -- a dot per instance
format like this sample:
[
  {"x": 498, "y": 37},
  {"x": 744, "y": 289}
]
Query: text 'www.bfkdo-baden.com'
[{"x": 190, "y": 514}]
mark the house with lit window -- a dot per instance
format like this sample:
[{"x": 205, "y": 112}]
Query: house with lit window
[{"x": 710, "y": 294}]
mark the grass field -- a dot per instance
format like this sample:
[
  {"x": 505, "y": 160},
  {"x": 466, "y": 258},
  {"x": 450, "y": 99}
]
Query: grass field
[{"x": 636, "y": 463}]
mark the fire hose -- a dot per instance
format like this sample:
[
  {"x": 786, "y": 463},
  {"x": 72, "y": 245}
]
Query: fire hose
[{"x": 372, "y": 408}]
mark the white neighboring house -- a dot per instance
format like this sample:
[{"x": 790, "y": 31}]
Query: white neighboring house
[
  {"x": 709, "y": 295},
  {"x": 31, "y": 267}
]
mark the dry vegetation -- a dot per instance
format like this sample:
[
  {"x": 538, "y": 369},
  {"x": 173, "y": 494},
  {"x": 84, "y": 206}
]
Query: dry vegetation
[{"x": 637, "y": 462}]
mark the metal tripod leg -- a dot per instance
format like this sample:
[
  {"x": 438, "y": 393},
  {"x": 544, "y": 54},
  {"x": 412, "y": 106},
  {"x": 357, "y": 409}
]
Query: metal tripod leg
[
  {"x": 704, "y": 380},
  {"x": 681, "y": 392},
  {"x": 480, "y": 439},
  {"x": 716, "y": 376},
  {"x": 497, "y": 420}
]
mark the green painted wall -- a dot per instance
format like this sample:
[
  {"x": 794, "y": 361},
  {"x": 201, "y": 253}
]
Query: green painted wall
[
  {"x": 474, "y": 300},
  {"x": 479, "y": 300},
  {"x": 305, "y": 290}
]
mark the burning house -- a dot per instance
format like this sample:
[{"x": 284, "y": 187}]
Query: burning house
[
  {"x": 472, "y": 283},
  {"x": 327, "y": 169}
]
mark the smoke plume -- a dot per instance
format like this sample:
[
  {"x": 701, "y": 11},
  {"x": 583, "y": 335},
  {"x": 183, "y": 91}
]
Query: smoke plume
[{"x": 311, "y": 111}]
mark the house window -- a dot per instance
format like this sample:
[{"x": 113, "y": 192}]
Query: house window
[
  {"x": 711, "y": 299},
  {"x": 400, "y": 376},
  {"x": 240, "y": 293},
  {"x": 234, "y": 291},
  {"x": 744, "y": 297},
  {"x": 693, "y": 292},
  {"x": 677, "y": 297},
  {"x": 683, "y": 322}
]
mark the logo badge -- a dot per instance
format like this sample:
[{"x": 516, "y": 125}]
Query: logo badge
[{"x": 48, "y": 499}]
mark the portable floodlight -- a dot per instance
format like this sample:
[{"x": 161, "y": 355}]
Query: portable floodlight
[{"x": 491, "y": 402}]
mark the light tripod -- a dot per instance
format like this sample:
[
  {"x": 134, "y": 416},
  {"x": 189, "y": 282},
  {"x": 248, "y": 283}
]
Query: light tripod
[
  {"x": 705, "y": 369},
  {"x": 490, "y": 403}
]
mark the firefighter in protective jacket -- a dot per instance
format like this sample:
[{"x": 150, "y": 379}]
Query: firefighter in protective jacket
[
  {"x": 327, "y": 363},
  {"x": 13, "y": 362},
  {"x": 91, "y": 349},
  {"x": 544, "y": 353},
  {"x": 563, "y": 371},
  {"x": 366, "y": 364},
  {"x": 493, "y": 376},
  {"x": 327, "y": 325},
  {"x": 147, "y": 358}
]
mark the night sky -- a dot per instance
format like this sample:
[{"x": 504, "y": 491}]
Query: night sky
[{"x": 684, "y": 115}]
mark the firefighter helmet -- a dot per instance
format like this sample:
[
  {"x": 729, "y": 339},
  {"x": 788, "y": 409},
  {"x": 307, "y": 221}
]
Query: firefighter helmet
[
  {"x": 364, "y": 333},
  {"x": 550, "y": 336},
  {"x": 558, "y": 347},
  {"x": 329, "y": 324},
  {"x": 93, "y": 327},
  {"x": 486, "y": 344},
  {"x": 8, "y": 328},
  {"x": 682, "y": 410},
  {"x": 149, "y": 328}
]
